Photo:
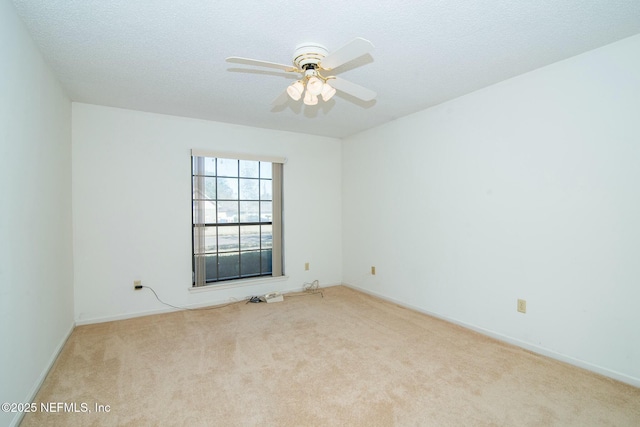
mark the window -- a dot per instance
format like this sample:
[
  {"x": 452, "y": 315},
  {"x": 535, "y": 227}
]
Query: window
[{"x": 237, "y": 217}]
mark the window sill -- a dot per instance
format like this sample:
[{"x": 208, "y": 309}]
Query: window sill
[{"x": 238, "y": 283}]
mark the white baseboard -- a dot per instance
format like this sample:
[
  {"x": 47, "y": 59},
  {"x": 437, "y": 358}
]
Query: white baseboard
[
  {"x": 31, "y": 395},
  {"x": 514, "y": 341},
  {"x": 103, "y": 319},
  {"x": 123, "y": 316}
]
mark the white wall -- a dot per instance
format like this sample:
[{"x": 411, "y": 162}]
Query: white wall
[
  {"x": 36, "y": 273},
  {"x": 527, "y": 189},
  {"x": 132, "y": 208}
]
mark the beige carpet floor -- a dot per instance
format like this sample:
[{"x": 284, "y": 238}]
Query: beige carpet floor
[{"x": 345, "y": 359}]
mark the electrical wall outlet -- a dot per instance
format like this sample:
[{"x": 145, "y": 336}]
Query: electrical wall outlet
[
  {"x": 137, "y": 284},
  {"x": 373, "y": 270},
  {"x": 306, "y": 266},
  {"x": 522, "y": 306}
]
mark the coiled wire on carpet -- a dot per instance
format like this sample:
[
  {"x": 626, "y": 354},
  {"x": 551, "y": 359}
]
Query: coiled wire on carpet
[
  {"x": 313, "y": 287},
  {"x": 309, "y": 288}
]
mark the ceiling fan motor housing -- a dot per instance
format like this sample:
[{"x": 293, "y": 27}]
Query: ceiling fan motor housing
[{"x": 309, "y": 55}]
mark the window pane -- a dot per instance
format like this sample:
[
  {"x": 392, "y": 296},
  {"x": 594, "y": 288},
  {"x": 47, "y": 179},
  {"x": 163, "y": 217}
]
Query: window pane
[
  {"x": 249, "y": 211},
  {"x": 266, "y": 236},
  {"x": 228, "y": 239},
  {"x": 204, "y": 212},
  {"x": 227, "y": 212},
  {"x": 227, "y": 196},
  {"x": 227, "y": 188},
  {"x": 204, "y": 187},
  {"x": 249, "y": 237},
  {"x": 249, "y": 169},
  {"x": 228, "y": 266},
  {"x": 266, "y": 262},
  {"x": 204, "y": 165},
  {"x": 208, "y": 241},
  {"x": 265, "y": 170},
  {"x": 250, "y": 263},
  {"x": 266, "y": 189},
  {"x": 266, "y": 211},
  {"x": 249, "y": 189},
  {"x": 228, "y": 167}
]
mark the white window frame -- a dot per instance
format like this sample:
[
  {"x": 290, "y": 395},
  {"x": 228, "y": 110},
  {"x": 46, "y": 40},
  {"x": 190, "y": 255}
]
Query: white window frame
[{"x": 198, "y": 222}]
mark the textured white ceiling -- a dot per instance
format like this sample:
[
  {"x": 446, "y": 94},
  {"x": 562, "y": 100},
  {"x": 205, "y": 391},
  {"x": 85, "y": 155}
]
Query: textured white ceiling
[{"x": 168, "y": 56}]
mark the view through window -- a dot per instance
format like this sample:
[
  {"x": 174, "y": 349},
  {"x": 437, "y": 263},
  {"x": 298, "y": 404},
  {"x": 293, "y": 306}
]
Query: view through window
[{"x": 236, "y": 219}]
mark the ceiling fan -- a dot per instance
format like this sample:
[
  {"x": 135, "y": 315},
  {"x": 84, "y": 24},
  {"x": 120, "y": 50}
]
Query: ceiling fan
[{"x": 312, "y": 60}]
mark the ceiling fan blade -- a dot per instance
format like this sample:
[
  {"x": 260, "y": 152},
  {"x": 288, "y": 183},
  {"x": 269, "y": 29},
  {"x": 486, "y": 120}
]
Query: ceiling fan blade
[
  {"x": 247, "y": 61},
  {"x": 352, "y": 50},
  {"x": 352, "y": 89}
]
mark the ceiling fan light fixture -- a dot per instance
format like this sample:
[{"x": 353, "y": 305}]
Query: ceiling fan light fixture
[
  {"x": 314, "y": 85},
  {"x": 327, "y": 92},
  {"x": 309, "y": 98},
  {"x": 310, "y": 59},
  {"x": 295, "y": 90}
]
